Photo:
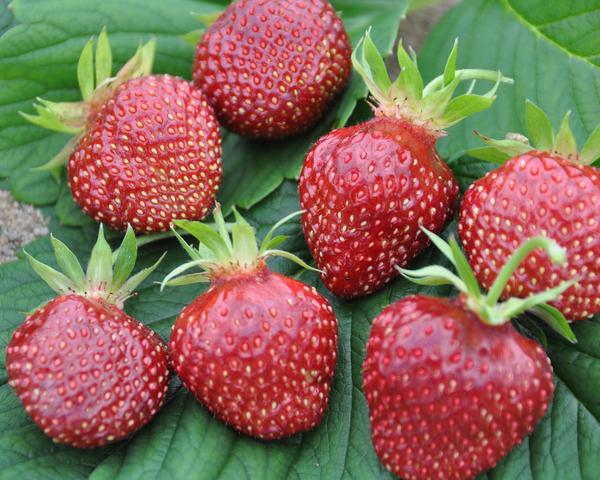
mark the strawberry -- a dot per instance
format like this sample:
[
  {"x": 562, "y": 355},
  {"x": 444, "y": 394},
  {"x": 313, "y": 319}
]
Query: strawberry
[
  {"x": 271, "y": 68},
  {"x": 147, "y": 149},
  {"x": 451, "y": 386},
  {"x": 258, "y": 349},
  {"x": 366, "y": 189},
  {"x": 546, "y": 190},
  {"x": 86, "y": 372}
]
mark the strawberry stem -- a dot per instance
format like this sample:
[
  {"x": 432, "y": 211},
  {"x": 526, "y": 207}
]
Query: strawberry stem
[
  {"x": 487, "y": 307},
  {"x": 557, "y": 255}
]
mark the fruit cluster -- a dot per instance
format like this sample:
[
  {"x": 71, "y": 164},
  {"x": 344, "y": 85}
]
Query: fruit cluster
[{"x": 450, "y": 384}]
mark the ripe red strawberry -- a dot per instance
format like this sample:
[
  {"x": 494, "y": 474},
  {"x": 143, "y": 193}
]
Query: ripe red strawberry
[
  {"x": 366, "y": 189},
  {"x": 257, "y": 349},
  {"x": 450, "y": 384},
  {"x": 147, "y": 149},
  {"x": 87, "y": 373},
  {"x": 271, "y": 68},
  {"x": 547, "y": 191}
]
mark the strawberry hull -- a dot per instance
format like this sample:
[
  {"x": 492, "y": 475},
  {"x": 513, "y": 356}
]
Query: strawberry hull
[{"x": 366, "y": 190}]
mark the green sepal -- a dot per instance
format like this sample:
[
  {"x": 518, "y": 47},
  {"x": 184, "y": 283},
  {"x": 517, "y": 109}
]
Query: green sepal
[
  {"x": 290, "y": 256},
  {"x": 208, "y": 237},
  {"x": 99, "y": 271},
  {"x": 564, "y": 143},
  {"x": 516, "y": 306},
  {"x": 59, "y": 160},
  {"x": 489, "y": 154},
  {"x": 193, "y": 37},
  {"x": 430, "y": 106},
  {"x": 222, "y": 253},
  {"x": 85, "y": 70},
  {"x": 450, "y": 68},
  {"x": 207, "y": 19},
  {"x": 557, "y": 254},
  {"x": 68, "y": 263},
  {"x": 56, "y": 281},
  {"x": 99, "y": 281},
  {"x": 119, "y": 296},
  {"x": 541, "y": 136},
  {"x": 433, "y": 275},
  {"x": 269, "y": 242},
  {"x": 486, "y": 306},
  {"x": 591, "y": 149},
  {"x": 555, "y": 320},
  {"x": 464, "y": 270},
  {"x": 124, "y": 259},
  {"x": 539, "y": 127},
  {"x": 103, "y": 58}
]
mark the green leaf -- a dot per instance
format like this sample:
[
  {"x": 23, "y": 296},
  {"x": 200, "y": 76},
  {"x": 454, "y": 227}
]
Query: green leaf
[
  {"x": 548, "y": 48},
  {"x": 539, "y": 128}
]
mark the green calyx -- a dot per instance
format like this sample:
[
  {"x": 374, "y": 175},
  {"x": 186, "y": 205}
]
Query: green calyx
[
  {"x": 107, "y": 274},
  {"x": 96, "y": 85},
  {"x": 432, "y": 106},
  {"x": 541, "y": 137},
  {"x": 206, "y": 19},
  {"x": 227, "y": 249},
  {"x": 487, "y": 306}
]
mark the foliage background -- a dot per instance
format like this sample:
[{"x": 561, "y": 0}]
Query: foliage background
[{"x": 552, "y": 50}]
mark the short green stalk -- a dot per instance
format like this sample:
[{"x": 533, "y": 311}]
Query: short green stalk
[{"x": 487, "y": 306}]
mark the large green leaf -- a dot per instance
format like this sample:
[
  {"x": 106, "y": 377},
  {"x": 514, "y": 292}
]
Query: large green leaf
[
  {"x": 184, "y": 441},
  {"x": 550, "y": 47},
  {"x": 38, "y": 59}
]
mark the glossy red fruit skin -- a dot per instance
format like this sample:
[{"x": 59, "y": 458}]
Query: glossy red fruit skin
[
  {"x": 271, "y": 68},
  {"x": 537, "y": 194},
  {"x": 86, "y": 372},
  {"x": 258, "y": 350},
  {"x": 449, "y": 396},
  {"x": 150, "y": 154},
  {"x": 365, "y": 190}
]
